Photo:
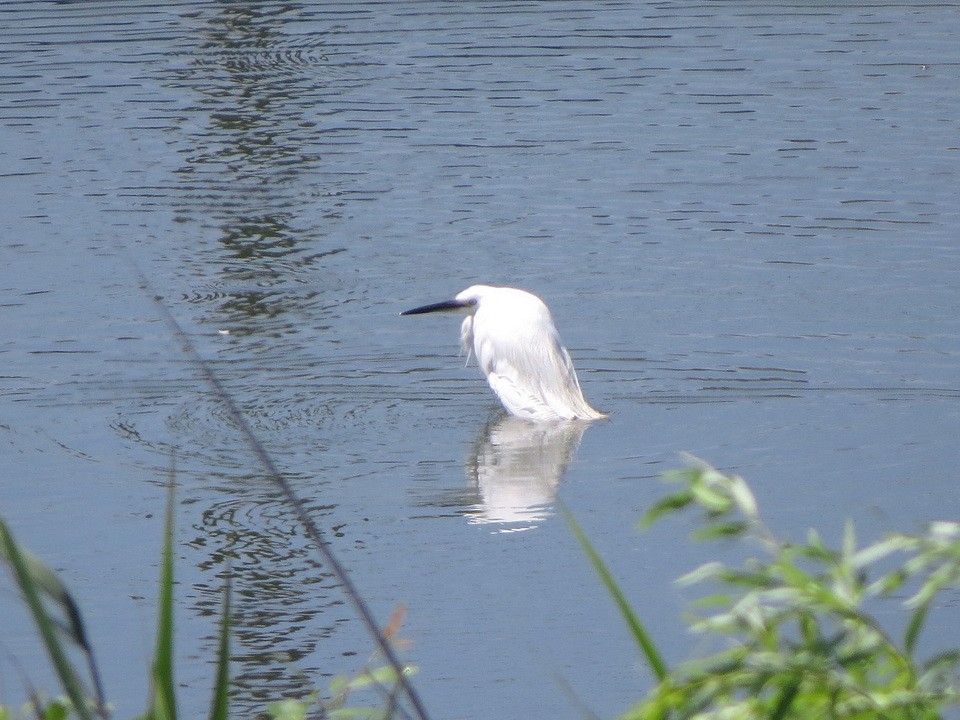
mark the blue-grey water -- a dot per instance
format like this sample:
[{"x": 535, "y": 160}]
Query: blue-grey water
[{"x": 743, "y": 215}]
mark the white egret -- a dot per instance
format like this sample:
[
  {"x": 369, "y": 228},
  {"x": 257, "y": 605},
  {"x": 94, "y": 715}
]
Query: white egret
[{"x": 518, "y": 348}]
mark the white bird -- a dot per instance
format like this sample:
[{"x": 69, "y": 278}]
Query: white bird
[{"x": 518, "y": 348}]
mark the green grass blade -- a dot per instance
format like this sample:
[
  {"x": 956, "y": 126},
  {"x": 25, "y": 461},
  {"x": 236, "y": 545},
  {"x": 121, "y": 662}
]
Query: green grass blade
[
  {"x": 46, "y": 626},
  {"x": 220, "y": 703},
  {"x": 50, "y": 587},
  {"x": 917, "y": 618},
  {"x": 162, "y": 693},
  {"x": 650, "y": 652}
]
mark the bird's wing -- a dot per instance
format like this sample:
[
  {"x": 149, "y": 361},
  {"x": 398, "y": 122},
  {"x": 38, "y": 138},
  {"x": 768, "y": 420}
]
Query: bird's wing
[
  {"x": 518, "y": 398},
  {"x": 532, "y": 374},
  {"x": 558, "y": 383}
]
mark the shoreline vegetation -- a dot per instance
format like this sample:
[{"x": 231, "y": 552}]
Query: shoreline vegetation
[
  {"x": 792, "y": 621},
  {"x": 795, "y": 623}
]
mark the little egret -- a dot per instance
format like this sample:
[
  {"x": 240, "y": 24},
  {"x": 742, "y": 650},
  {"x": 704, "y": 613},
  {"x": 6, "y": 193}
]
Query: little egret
[{"x": 518, "y": 348}]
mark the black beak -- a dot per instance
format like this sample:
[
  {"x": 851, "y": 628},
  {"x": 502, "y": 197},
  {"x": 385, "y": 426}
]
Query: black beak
[{"x": 444, "y": 306}]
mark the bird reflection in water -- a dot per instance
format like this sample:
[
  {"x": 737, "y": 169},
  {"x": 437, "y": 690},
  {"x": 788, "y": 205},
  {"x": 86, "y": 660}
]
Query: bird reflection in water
[{"x": 517, "y": 466}]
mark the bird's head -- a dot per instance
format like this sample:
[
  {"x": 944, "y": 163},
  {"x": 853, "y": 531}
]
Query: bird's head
[
  {"x": 467, "y": 300},
  {"x": 475, "y": 296},
  {"x": 442, "y": 306}
]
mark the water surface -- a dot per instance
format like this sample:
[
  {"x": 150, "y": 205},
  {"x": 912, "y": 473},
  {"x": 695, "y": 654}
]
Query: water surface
[{"x": 742, "y": 215}]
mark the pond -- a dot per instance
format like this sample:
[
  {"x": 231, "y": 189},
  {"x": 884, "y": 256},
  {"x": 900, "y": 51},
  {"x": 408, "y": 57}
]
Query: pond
[{"x": 743, "y": 216}]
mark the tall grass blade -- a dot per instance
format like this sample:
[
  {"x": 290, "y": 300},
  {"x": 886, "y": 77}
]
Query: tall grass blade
[
  {"x": 650, "y": 652},
  {"x": 163, "y": 699},
  {"x": 49, "y": 586},
  {"x": 79, "y": 631},
  {"x": 46, "y": 625},
  {"x": 220, "y": 702},
  {"x": 917, "y": 618},
  {"x": 274, "y": 475}
]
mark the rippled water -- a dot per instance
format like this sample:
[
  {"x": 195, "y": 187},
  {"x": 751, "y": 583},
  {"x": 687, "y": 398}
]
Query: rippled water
[{"x": 743, "y": 215}]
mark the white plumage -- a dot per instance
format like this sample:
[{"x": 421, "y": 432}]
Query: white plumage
[{"x": 518, "y": 348}]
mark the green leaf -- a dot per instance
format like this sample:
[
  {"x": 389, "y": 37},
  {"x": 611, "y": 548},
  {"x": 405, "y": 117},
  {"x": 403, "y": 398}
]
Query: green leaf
[
  {"x": 714, "y": 500},
  {"x": 912, "y": 633},
  {"x": 878, "y": 551},
  {"x": 288, "y": 709},
  {"x": 734, "y": 528},
  {"x": 743, "y": 497},
  {"x": 381, "y": 676},
  {"x": 58, "y": 709},
  {"x": 669, "y": 504},
  {"x": 711, "y": 601},
  {"x": 706, "y": 571}
]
